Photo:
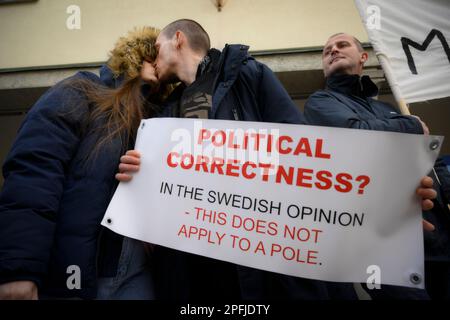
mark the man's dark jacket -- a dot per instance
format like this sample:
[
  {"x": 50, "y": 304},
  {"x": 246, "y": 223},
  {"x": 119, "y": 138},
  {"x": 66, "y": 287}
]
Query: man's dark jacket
[{"x": 348, "y": 102}]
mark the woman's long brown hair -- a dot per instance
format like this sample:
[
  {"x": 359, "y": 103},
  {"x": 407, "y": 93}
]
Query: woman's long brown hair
[{"x": 117, "y": 112}]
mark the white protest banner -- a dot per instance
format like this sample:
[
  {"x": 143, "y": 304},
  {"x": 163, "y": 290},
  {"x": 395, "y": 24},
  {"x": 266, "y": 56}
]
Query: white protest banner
[
  {"x": 315, "y": 202},
  {"x": 414, "y": 35}
]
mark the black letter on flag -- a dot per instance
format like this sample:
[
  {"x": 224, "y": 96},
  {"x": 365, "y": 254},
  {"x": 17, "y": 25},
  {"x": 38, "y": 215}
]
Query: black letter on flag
[{"x": 406, "y": 43}]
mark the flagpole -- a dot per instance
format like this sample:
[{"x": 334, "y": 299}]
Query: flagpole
[{"x": 385, "y": 64}]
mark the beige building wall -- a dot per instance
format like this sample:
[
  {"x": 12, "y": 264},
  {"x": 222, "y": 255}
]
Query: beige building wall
[{"x": 35, "y": 34}]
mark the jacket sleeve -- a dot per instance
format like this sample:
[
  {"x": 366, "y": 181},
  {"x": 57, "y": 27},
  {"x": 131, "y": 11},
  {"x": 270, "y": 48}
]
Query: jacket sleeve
[
  {"x": 444, "y": 178},
  {"x": 323, "y": 109},
  {"x": 274, "y": 102},
  {"x": 34, "y": 175}
]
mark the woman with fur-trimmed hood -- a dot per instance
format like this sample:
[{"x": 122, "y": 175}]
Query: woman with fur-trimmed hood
[{"x": 59, "y": 179}]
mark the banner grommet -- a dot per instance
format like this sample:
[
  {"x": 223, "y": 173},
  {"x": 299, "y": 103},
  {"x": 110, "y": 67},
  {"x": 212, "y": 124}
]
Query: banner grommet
[
  {"x": 415, "y": 278},
  {"x": 434, "y": 144}
]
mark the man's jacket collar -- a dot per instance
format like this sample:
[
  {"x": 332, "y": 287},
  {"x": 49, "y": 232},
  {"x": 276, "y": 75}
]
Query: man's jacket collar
[{"x": 352, "y": 85}]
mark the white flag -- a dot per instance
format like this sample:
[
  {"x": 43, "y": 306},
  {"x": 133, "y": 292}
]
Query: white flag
[{"x": 414, "y": 35}]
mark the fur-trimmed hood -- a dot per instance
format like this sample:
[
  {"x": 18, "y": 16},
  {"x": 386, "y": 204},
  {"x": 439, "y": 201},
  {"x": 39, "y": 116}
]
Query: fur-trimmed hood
[{"x": 131, "y": 50}]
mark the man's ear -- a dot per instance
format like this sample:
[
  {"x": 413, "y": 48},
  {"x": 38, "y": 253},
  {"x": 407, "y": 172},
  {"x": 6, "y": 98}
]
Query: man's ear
[
  {"x": 364, "y": 57},
  {"x": 179, "y": 39}
]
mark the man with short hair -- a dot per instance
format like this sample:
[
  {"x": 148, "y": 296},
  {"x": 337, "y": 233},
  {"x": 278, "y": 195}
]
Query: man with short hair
[
  {"x": 347, "y": 102},
  {"x": 228, "y": 85}
]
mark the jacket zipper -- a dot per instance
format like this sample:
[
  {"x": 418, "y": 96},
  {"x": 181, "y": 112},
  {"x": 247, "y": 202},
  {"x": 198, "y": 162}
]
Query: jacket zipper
[{"x": 235, "y": 114}]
